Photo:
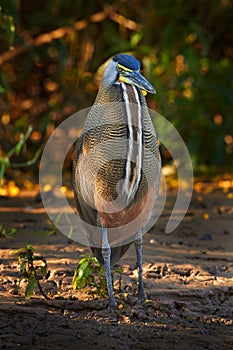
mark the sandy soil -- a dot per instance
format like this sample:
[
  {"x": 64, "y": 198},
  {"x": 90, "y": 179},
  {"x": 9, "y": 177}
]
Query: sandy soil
[{"x": 188, "y": 278}]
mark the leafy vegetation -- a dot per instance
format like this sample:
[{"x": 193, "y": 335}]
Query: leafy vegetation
[
  {"x": 89, "y": 273},
  {"x": 5, "y": 160},
  {"x": 32, "y": 269},
  {"x": 51, "y": 51},
  {"x": 7, "y": 232}
]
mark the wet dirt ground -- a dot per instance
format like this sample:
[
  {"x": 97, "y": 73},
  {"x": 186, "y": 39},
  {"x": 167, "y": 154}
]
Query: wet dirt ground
[{"x": 188, "y": 279}]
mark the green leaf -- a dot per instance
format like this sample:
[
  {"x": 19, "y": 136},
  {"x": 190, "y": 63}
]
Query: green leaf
[
  {"x": 10, "y": 28},
  {"x": 2, "y": 89},
  {"x": 81, "y": 268},
  {"x": 82, "y": 261},
  {"x": 17, "y": 251},
  {"x": 83, "y": 273},
  {"x": 88, "y": 272},
  {"x": 32, "y": 283},
  {"x": 20, "y": 280},
  {"x": 18, "y": 147},
  {"x": 30, "y": 247},
  {"x": 23, "y": 266}
]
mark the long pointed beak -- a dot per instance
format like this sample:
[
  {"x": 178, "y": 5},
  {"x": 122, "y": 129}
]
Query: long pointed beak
[{"x": 137, "y": 79}]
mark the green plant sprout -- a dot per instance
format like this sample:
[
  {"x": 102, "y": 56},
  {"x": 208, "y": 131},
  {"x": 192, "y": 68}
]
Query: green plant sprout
[
  {"x": 31, "y": 272},
  {"x": 5, "y": 161},
  {"x": 90, "y": 273}
]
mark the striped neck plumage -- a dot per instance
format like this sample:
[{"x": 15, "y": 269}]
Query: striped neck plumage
[{"x": 133, "y": 170}]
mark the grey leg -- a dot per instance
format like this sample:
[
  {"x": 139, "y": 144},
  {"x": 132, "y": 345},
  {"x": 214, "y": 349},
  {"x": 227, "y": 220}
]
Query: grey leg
[
  {"x": 138, "y": 246},
  {"x": 106, "y": 252}
]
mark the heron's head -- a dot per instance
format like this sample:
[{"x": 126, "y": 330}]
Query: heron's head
[{"x": 126, "y": 68}]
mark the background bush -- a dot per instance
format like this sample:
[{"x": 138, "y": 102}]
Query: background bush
[{"x": 51, "y": 51}]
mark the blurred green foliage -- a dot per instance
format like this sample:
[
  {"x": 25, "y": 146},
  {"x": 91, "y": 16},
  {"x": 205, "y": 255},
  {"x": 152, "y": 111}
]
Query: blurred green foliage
[{"x": 50, "y": 52}]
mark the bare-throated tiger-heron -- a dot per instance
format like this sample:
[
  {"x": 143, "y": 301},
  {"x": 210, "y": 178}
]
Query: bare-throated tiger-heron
[{"x": 116, "y": 170}]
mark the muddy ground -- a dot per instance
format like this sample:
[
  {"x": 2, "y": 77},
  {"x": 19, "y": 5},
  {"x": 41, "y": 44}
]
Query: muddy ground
[{"x": 188, "y": 278}]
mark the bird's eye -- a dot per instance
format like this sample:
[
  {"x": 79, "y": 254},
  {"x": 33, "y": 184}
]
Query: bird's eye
[{"x": 120, "y": 69}]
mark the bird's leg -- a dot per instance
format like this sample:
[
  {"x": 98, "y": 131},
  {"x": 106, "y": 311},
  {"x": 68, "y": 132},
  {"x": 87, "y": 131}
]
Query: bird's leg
[
  {"x": 106, "y": 252},
  {"x": 138, "y": 246}
]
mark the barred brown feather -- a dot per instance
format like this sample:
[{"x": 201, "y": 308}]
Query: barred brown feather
[{"x": 107, "y": 123}]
